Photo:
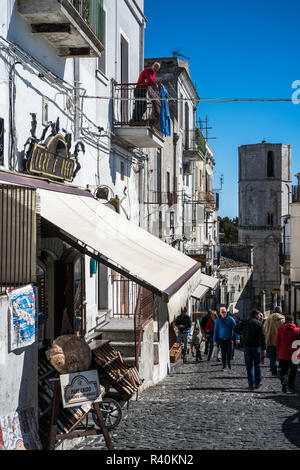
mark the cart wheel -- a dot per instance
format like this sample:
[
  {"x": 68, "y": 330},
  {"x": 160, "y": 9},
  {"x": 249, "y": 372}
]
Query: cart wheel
[{"x": 112, "y": 413}]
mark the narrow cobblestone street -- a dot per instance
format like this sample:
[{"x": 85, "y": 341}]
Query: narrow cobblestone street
[{"x": 198, "y": 406}]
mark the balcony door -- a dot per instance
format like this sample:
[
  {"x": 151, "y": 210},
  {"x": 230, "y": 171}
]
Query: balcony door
[{"x": 124, "y": 79}]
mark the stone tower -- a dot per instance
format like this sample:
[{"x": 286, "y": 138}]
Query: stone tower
[{"x": 264, "y": 192}]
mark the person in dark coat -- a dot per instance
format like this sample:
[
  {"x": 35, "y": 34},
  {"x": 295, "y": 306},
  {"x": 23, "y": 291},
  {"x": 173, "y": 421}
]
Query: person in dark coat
[
  {"x": 183, "y": 323},
  {"x": 286, "y": 335},
  {"x": 254, "y": 342}
]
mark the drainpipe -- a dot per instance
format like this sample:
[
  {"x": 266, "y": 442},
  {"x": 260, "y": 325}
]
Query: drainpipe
[
  {"x": 175, "y": 140},
  {"x": 76, "y": 98}
]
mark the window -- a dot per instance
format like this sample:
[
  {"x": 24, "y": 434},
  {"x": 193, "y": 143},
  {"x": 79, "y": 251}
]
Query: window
[
  {"x": 102, "y": 58},
  {"x": 270, "y": 164},
  {"x": 122, "y": 170},
  {"x": 187, "y": 125},
  {"x": 181, "y": 111},
  {"x": 168, "y": 182},
  {"x": 270, "y": 218},
  {"x": 160, "y": 224},
  {"x": 172, "y": 226},
  {"x": 124, "y": 78}
]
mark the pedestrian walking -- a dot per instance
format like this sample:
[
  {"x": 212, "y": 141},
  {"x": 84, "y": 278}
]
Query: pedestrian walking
[
  {"x": 183, "y": 322},
  {"x": 261, "y": 318},
  {"x": 223, "y": 333},
  {"x": 271, "y": 325},
  {"x": 285, "y": 336},
  {"x": 203, "y": 324},
  {"x": 209, "y": 332},
  {"x": 254, "y": 341},
  {"x": 196, "y": 341}
]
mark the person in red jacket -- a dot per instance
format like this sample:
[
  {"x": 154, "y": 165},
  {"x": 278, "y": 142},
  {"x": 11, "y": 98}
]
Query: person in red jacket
[
  {"x": 146, "y": 79},
  {"x": 209, "y": 332},
  {"x": 284, "y": 339}
]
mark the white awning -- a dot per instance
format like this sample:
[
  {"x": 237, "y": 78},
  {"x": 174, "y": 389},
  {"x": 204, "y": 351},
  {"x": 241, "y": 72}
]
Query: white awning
[
  {"x": 209, "y": 281},
  {"x": 200, "y": 292},
  {"x": 142, "y": 256}
]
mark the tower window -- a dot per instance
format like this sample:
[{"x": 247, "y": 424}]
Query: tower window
[
  {"x": 270, "y": 218},
  {"x": 270, "y": 164}
]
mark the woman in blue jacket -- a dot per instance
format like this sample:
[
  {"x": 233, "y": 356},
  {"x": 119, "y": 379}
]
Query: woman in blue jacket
[{"x": 223, "y": 334}]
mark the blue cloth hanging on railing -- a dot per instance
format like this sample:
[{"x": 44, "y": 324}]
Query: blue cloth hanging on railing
[{"x": 165, "y": 119}]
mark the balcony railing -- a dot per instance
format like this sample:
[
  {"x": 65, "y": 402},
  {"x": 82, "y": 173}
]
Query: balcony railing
[
  {"x": 159, "y": 198},
  {"x": 194, "y": 143},
  {"x": 92, "y": 12},
  {"x": 137, "y": 116},
  {"x": 296, "y": 193},
  {"x": 73, "y": 27},
  {"x": 206, "y": 198},
  {"x": 136, "y": 107}
]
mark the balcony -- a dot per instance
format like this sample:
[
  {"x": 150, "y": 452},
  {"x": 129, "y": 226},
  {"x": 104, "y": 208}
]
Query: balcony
[
  {"x": 194, "y": 145},
  {"x": 207, "y": 198},
  {"x": 162, "y": 198},
  {"x": 136, "y": 118},
  {"x": 73, "y": 27},
  {"x": 295, "y": 193}
]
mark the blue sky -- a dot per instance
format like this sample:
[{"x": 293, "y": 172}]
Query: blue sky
[{"x": 238, "y": 49}]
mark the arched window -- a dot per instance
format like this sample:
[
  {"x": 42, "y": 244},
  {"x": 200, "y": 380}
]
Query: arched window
[{"x": 270, "y": 164}]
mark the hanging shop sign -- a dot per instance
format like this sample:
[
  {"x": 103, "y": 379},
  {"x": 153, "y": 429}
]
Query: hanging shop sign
[
  {"x": 80, "y": 388},
  {"x": 50, "y": 157},
  {"x": 275, "y": 290}
]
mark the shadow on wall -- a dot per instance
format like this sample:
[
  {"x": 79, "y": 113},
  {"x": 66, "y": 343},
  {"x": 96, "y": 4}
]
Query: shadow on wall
[
  {"x": 119, "y": 165},
  {"x": 28, "y": 389},
  {"x": 36, "y": 46},
  {"x": 244, "y": 303}
]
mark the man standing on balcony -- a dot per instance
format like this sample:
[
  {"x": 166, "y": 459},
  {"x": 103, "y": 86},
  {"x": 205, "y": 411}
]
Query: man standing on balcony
[{"x": 146, "y": 79}]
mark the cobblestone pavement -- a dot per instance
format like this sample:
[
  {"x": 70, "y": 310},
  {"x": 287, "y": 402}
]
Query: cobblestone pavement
[{"x": 198, "y": 406}]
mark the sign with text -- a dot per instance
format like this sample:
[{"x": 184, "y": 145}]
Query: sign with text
[
  {"x": 53, "y": 164},
  {"x": 80, "y": 388},
  {"x": 275, "y": 290}
]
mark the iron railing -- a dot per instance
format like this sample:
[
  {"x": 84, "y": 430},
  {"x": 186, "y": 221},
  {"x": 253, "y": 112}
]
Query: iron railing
[
  {"x": 295, "y": 193},
  {"x": 194, "y": 141},
  {"x": 136, "y": 106},
  {"x": 160, "y": 198},
  {"x": 124, "y": 297},
  {"x": 17, "y": 236},
  {"x": 92, "y": 12}
]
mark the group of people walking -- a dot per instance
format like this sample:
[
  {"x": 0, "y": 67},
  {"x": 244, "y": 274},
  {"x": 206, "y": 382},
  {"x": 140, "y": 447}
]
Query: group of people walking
[{"x": 277, "y": 337}]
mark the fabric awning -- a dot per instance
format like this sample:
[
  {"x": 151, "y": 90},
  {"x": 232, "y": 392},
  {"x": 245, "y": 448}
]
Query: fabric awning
[
  {"x": 200, "y": 292},
  {"x": 209, "y": 281},
  {"x": 142, "y": 256}
]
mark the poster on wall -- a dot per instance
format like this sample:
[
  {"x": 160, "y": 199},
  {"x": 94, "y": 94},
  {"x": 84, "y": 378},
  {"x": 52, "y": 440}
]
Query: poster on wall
[
  {"x": 19, "y": 431},
  {"x": 23, "y": 316}
]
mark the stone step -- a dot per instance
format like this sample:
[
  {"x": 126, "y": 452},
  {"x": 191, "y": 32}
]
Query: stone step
[
  {"x": 126, "y": 348},
  {"x": 117, "y": 330}
]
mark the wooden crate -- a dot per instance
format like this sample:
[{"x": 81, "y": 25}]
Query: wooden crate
[{"x": 175, "y": 352}]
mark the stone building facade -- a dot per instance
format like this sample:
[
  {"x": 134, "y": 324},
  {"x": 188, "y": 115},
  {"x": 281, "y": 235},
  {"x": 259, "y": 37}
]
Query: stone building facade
[{"x": 264, "y": 192}]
